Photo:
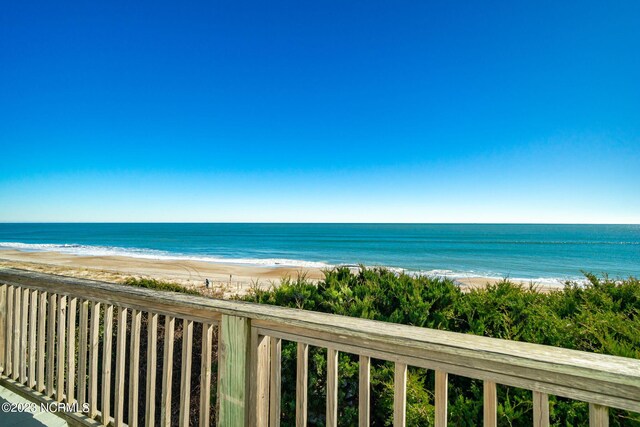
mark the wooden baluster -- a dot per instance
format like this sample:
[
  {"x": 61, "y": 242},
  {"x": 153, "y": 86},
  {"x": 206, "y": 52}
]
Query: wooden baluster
[
  {"x": 302, "y": 378},
  {"x": 134, "y": 367},
  {"x": 332, "y": 387},
  {"x": 185, "y": 372},
  {"x": 260, "y": 379},
  {"x": 3, "y": 327},
  {"x": 364, "y": 391},
  {"x": 33, "y": 320},
  {"x": 400, "y": 395},
  {"x": 71, "y": 350},
  {"x": 93, "y": 359},
  {"x": 82, "y": 352},
  {"x": 152, "y": 340},
  {"x": 540, "y": 409},
  {"x": 8, "y": 356},
  {"x": 24, "y": 325},
  {"x": 51, "y": 343},
  {"x": 121, "y": 351},
  {"x": 167, "y": 371},
  {"x": 598, "y": 415},
  {"x": 42, "y": 323},
  {"x": 442, "y": 398},
  {"x": 17, "y": 324},
  {"x": 490, "y": 404},
  {"x": 60, "y": 357},
  {"x": 106, "y": 364},
  {"x": 9, "y": 331},
  {"x": 275, "y": 382},
  {"x": 233, "y": 370},
  {"x": 205, "y": 375}
]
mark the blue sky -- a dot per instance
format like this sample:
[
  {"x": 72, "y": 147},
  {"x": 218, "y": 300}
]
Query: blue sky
[{"x": 354, "y": 111}]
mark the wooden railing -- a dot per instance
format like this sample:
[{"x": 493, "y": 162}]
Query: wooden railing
[{"x": 56, "y": 346}]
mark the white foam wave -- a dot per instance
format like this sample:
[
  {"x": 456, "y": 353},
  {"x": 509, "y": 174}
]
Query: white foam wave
[
  {"x": 94, "y": 250},
  {"x": 89, "y": 250},
  {"x": 456, "y": 275}
]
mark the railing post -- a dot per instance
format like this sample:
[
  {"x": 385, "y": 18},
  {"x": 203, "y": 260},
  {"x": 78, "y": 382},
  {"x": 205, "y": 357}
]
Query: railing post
[
  {"x": 82, "y": 351},
  {"x": 3, "y": 317},
  {"x": 134, "y": 367},
  {"x": 61, "y": 342},
  {"x": 71, "y": 349},
  {"x": 275, "y": 387},
  {"x": 8, "y": 356},
  {"x": 185, "y": 372},
  {"x": 400, "y": 395},
  {"x": 152, "y": 337},
  {"x": 121, "y": 341},
  {"x": 234, "y": 371},
  {"x": 598, "y": 415},
  {"x": 24, "y": 323},
  {"x": 205, "y": 374},
  {"x": 167, "y": 370},
  {"x": 106, "y": 365},
  {"x": 302, "y": 379},
  {"x": 33, "y": 320},
  {"x": 540, "y": 409},
  {"x": 441, "y": 398},
  {"x": 259, "y": 380},
  {"x": 490, "y": 404},
  {"x": 364, "y": 392},
  {"x": 51, "y": 343},
  {"x": 8, "y": 331},
  {"x": 332, "y": 387},
  {"x": 17, "y": 309},
  {"x": 94, "y": 338},
  {"x": 42, "y": 321}
]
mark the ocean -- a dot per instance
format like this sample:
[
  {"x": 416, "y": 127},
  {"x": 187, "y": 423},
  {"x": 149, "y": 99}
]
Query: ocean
[{"x": 520, "y": 251}]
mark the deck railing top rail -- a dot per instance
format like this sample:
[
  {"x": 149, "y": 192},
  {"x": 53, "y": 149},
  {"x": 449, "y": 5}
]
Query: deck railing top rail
[{"x": 596, "y": 378}]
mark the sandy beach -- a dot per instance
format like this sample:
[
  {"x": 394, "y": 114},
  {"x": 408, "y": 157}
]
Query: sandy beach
[{"x": 230, "y": 279}]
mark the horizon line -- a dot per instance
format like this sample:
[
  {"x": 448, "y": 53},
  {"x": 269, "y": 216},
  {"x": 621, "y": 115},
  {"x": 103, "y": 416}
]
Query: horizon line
[{"x": 319, "y": 222}]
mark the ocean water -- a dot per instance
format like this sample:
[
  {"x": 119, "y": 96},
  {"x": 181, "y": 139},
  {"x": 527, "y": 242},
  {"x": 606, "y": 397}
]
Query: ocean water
[{"x": 539, "y": 252}]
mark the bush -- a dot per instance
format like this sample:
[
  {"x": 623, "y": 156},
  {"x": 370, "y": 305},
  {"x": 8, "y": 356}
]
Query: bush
[
  {"x": 159, "y": 285},
  {"x": 602, "y": 317}
]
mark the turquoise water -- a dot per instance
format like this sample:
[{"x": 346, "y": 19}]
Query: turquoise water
[{"x": 548, "y": 252}]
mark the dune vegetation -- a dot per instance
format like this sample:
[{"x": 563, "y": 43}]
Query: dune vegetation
[{"x": 602, "y": 316}]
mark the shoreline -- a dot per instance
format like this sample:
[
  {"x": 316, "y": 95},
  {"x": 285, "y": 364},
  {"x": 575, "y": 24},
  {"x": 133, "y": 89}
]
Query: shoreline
[{"x": 231, "y": 279}]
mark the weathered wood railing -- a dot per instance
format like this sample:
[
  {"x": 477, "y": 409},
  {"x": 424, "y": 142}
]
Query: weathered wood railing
[{"x": 44, "y": 356}]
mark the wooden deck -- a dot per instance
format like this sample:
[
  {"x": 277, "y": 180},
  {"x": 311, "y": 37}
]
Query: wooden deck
[
  {"x": 28, "y": 418},
  {"x": 44, "y": 317}
]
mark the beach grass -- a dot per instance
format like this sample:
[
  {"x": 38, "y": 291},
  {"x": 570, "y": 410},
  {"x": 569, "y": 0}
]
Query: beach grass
[{"x": 159, "y": 285}]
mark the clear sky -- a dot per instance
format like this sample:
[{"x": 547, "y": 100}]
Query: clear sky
[{"x": 348, "y": 111}]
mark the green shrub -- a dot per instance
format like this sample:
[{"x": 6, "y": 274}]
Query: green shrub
[
  {"x": 602, "y": 316},
  {"x": 159, "y": 285}
]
